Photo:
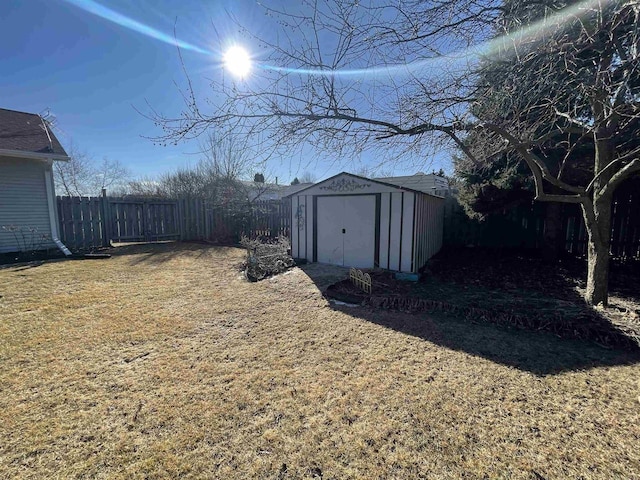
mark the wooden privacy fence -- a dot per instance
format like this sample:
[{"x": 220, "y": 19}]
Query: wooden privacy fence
[
  {"x": 523, "y": 226},
  {"x": 81, "y": 222},
  {"x": 199, "y": 220},
  {"x": 91, "y": 222},
  {"x": 625, "y": 224}
]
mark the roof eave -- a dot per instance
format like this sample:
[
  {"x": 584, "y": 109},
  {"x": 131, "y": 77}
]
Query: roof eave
[
  {"x": 34, "y": 155},
  {"x": 399, "y": 187}
]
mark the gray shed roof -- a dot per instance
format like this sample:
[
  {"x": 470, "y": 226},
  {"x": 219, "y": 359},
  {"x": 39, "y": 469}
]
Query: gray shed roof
[
  {"x": 27, "y": 132},
  {"x": 389, "y": 181},
  {"x": 420, "y": 181}
]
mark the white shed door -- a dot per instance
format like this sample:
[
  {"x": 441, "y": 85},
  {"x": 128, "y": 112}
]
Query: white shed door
[{"x": 346, "y": 230}]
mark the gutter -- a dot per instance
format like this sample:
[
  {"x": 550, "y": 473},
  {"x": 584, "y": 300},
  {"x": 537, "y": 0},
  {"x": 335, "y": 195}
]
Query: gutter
[
  {"x": 61, "y": 246},
  {"x": 53, "y": 214},
  {"x": 33, "y": 155}
]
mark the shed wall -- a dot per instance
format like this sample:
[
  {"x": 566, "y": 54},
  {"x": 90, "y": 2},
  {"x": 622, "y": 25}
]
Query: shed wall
[
  {"x": 24, "y": 204},
  {"x": 407, "y": 217},
  {"x": 402, "y": 247},
  {"x": 429, "y": 222}
]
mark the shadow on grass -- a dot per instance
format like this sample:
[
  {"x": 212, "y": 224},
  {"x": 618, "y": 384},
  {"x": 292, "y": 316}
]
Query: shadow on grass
[
  {"x": 19, "y": 267},
  {"x": 162, "y": 252},
  {"x": 539, "y": 353}
]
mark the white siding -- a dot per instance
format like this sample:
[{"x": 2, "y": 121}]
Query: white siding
[
  {"x": 385, "y": 222},
  {"x": 394, "y": 251},
  {"x": 308, "y": 227},
  {"x": 23, "y": 202},
  {"x": 295, "y": 229},
  {"x": 302, "y": 227},
  {"x": 429, "y": 220},
  {"x": 301, "y": 206},
  {"x": 407, "y": 232}
]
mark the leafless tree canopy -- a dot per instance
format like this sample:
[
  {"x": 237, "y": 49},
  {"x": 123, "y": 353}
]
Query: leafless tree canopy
[
  {"x": 82, "y": 175},
  {"x": 341, "y": 74},
  {"x": 217, "y": 176}
]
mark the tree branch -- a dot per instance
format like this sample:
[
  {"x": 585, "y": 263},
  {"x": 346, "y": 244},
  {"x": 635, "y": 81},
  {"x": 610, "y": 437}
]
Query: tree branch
[
  {"x": 624, "y": 173},
  {"x": 536, "y": 165}
]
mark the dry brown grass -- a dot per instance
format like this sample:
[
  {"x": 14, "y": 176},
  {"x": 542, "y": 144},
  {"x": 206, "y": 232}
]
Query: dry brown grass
[{"x": 162, "y": 363}]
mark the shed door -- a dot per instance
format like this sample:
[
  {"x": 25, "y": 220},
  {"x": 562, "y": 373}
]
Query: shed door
[{"x": 346, "y": 230}]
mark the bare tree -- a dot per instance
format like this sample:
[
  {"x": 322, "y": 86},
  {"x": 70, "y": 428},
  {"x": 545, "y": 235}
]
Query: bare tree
[
  {"x": 83, "y": 176},
  {"x": 225, "y": 156},
  {"x": 72, "y": 177},
  {"x": 224, "y": 161},
  {"x": 110, "y": 174},
  {"x": 308, "y": 177},
  {"x": 144, "y": 187},
  {"x": 404, "y": 76}
]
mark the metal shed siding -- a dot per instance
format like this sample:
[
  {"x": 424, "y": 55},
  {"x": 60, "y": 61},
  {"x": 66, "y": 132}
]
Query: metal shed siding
[
  {"x": 295, "y": 228},
  {"x": 385, "y": 230},
  {"x": 23, "y": 201},
  {"x": 302, "y": 227},
  {"x": 407, "y": 232},
  {"x": 429, "y": 222},
  {"x": 308, "y": 227},
  {"x": 394, "y": 239}
]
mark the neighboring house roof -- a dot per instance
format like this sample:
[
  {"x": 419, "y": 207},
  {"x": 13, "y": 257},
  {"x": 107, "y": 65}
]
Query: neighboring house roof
[
  {"x": 291, "y": 189},
  {"x": 382, "y": 181},
  {"x": 27, "y": 132},
  {"x": 272, "y": 191},
  {"x": 420, "y": 181}
]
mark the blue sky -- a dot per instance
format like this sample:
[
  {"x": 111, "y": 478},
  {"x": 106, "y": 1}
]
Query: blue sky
[{"x": 93, "y": 74}]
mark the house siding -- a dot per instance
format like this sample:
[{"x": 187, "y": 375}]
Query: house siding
[{"x": 23, "y": 202}]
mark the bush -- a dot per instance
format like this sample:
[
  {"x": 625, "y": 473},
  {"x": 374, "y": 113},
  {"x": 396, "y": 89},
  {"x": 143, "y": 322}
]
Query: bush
[
  {"x": 28, "y": 239},
  {"x": 265, "y": 259}
]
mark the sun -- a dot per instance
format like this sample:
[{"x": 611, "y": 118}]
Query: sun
[{"x": 237, "y": 61}]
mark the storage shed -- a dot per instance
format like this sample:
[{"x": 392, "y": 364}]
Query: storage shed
[{"x": 366, "y": 223}]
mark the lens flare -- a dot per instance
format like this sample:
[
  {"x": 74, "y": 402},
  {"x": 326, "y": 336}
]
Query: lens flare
[
  {"x": 106, "y": 13},
  {"x": 238, "y": 62}
]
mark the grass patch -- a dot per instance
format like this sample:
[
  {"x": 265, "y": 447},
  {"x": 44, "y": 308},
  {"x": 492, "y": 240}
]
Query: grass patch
[{"x": 162, "y": 362}]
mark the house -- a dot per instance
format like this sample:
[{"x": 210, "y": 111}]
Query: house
[
  {"x": 367, "y": 223},
  {"x": 421, "y": 181},
  {"x": 28, "y": 148},
  {"x": 271, "y": 191}
]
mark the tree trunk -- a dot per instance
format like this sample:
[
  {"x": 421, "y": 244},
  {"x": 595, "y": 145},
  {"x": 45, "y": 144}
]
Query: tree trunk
[
  {"x": 598, "y": 225},
  {"x": 552, "y": 245}
]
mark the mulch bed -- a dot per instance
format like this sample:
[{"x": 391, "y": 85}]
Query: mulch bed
[
  {"x": 14, "y": 258},
  {"x": 508, "y": 289}
]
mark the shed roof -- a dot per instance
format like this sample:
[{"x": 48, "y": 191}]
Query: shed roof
[
  {"x": 389, "y": 181},
  {"x": 27, "y": 132}
]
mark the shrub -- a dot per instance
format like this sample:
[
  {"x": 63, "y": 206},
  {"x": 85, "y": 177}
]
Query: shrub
[
  {"x": 265, "y": 258},
  {"x": 28, "y": 239}
]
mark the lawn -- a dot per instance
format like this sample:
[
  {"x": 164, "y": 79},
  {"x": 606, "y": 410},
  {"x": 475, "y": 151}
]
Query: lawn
[{"x": 163, "y": 362}]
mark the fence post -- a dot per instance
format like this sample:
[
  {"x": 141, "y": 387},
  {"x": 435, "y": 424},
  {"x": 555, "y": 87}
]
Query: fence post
[
  {"x": 178, "y": 218},
  {"x": 106, "y": 219},
  {"x": 145, "y": 222}
]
